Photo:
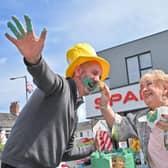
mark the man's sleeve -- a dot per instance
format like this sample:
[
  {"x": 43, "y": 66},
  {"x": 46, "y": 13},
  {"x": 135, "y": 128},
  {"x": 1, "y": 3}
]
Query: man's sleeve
[
  {"x": 78, "y": 152},
  {"x": 44, "y": 78},
  {"x": 75, "y": 152}
]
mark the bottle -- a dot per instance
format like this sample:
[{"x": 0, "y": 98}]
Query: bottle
[{"x": 115, "y": 135}]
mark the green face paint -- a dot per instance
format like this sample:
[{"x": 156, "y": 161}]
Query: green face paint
[
  {"x": 19, "y": 25},
  {"x": 90, "y": 84},
  {"x": 14, "y": 30},
  {"x": 28, "y": 24}
]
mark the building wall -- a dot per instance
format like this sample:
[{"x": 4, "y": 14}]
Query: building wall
[{"x": 157, "y": 44}]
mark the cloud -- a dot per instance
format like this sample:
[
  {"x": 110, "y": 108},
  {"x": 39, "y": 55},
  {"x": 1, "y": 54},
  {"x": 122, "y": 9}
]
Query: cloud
[
  {"x": 56, "y": 63},
  {"x": 3, "y": 60},
  {"x": 112, "y": 23},
  {"x": 105, "y": 24}
]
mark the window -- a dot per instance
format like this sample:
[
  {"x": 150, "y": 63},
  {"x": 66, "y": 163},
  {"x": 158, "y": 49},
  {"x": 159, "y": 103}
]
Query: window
[
  {"x": 88, "y": 133},
  {"x": 133, "y": 69},
  {"x": 138, "y": 65},
  {"x": 145, "y": 60},
  {"x": 81, "y": 134}
]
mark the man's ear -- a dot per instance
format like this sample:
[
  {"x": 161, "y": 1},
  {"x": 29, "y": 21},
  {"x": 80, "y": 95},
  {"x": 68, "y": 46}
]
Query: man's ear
[{"x": 77, "y": 71}]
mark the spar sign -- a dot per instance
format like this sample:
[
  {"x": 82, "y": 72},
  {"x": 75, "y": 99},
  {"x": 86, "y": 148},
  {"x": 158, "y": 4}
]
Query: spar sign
[{"x": 121, "y": 100}]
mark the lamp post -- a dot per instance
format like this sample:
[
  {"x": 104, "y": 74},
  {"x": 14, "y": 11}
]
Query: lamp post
[{"x": 25, "y": 78}]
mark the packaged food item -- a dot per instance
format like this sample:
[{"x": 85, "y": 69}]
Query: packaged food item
[
  {"x": 120, "y": 158},
  {"x": 118, "y": 162},
  {"x": 134, "y": 144},
  {"x": 154, "y": 116},
  {"x": 123, "y": 158},
  {"x": 123, "y": 144}
]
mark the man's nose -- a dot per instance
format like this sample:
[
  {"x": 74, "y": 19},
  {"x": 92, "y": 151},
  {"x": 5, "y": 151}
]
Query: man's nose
[
  {"x": 96, "y": 78},
  {"x": 144, "y": 89}
]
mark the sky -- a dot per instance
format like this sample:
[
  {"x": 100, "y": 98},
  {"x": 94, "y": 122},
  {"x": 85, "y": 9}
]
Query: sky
[{"x": 103, "y": 24}]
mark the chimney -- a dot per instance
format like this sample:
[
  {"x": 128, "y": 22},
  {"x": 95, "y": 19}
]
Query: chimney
[{"x": 14, "y": 108}]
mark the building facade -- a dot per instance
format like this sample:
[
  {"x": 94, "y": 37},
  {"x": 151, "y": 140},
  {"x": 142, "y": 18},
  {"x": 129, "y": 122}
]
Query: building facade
[{"x": 128, "y": 63}]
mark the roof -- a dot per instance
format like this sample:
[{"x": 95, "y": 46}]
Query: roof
[
  {"x": 146, "y": 37},
  {"x": 7, "y": 120},
  {"x": 86, "y": 125}
]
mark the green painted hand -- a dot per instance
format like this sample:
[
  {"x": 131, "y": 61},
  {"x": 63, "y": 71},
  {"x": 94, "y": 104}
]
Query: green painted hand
[
  {"x": 19, "y": 31},
  {"x": 26, "y": 41}
]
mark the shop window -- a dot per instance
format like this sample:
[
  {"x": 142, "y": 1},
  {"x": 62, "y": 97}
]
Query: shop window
[
  {"x": 138, "y": 65},
  {"x": 81, "y": 134},
  {"x": 88, "y": 133}
]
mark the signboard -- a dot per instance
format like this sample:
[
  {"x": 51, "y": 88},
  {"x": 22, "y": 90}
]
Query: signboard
[{"x": 122, "y": 99}]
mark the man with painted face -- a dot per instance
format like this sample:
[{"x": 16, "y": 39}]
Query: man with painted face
[{"x": 43, "y": 134}]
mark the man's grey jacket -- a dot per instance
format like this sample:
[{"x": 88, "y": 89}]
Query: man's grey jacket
[{"x": 43, "y": 133}]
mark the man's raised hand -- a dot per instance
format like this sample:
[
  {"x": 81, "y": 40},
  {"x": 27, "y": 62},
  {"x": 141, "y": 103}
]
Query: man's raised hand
[{"x": 26, "y": 41}]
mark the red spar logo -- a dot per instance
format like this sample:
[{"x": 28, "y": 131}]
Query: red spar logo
[{"x": 118, "y": 97}]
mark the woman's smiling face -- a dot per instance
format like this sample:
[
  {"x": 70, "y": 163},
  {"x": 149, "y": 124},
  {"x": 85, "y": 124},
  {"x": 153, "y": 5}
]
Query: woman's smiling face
[
  {"x": 153, "y": 90},
  {"x": 151, "y": 93}
]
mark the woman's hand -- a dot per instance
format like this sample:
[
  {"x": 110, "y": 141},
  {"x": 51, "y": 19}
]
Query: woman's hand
[
  {"x": 105, "y": 96},
  {"x": 27, "y": 43}
]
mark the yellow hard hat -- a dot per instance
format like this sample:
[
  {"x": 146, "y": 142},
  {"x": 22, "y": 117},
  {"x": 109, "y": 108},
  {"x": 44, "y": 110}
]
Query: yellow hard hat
[{"x": 81, "y": 53}]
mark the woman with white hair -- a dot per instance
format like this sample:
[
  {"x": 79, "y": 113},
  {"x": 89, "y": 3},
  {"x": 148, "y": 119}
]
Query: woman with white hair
[{"x": 154, "y": 91}]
